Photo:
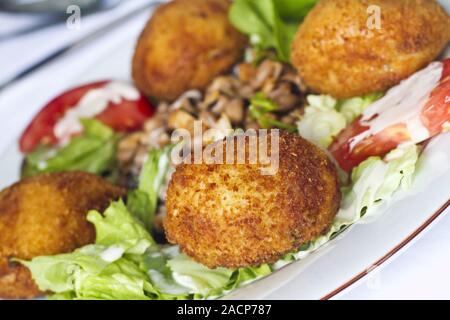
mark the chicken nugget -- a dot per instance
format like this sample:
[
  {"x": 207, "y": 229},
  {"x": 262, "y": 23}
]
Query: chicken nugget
[
  {"x": 46, "y": 215},
  {"x": 184, "y": 46},
  {"x": 349, "y": 48},
  {"x": 232, "y": 215}
]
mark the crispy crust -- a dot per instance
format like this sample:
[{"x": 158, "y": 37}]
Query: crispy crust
[
  {"x": 336, "y": 53},
  {"x": 46, "y": 215},
  {"x": 184, "y": 46},
  {"x": 233, "y": 216}
]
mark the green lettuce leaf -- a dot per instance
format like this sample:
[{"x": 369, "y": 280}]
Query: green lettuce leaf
[
  {"x": 121, "y": 280},
  {"x": 260, "y": 108},
  {"x": 105, "y": 269},
  {"x": 83, "y": 274},
  {"x": 354, "y": 107},
  {"x": 118, "y": 229},
  {"x": 243, "y": 276},
  {"x": 255, "y": 23},
  {"x": 143, "y": 201},
  {"x": 93, "y": 151},
  {"x": 294, "y": 9},
  {"x": 199, "y": 279},
  {"x": 155, "y": 262},
  {"x": 270, "y": 24},
  {"x": 178, "y": 276},
  {"x": 57, "y": 273}
]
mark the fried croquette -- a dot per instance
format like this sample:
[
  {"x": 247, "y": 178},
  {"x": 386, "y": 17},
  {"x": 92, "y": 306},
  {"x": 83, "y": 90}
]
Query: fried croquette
[
  {"x": 46, "y": 215},
  {"x": 184, "y": 46},
  {"x": 231, "y": 215},
  {"x": 349, "y": 48}
]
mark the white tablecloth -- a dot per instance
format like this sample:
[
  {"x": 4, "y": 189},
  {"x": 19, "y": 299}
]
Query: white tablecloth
[{"x": 421, "y": 272}]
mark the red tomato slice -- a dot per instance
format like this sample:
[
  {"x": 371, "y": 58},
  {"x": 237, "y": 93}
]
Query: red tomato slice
[
  {"x": 376, "y": 145},
  {"x": 435, "y": 116},
  {"x": 436, "y": 113},
  {"x": 126, "y": 116}
]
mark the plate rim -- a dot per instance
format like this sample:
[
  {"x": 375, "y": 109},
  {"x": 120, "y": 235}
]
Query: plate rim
[{"x": 390, "y": 254}]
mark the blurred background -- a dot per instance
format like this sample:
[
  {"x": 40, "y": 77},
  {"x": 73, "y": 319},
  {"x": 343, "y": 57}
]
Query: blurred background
[{"x": 33, "y": 32}]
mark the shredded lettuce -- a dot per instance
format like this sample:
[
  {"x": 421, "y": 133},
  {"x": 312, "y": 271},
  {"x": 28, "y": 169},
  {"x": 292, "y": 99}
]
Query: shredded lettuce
[
  {"x": 352, "y": 108},
  {"x": 321, "y": 121},
  {"x": 117, "y": 228},
  {"x": 270, "y": 24},
  {"x": 198, "y": 278},
  {"x": 143, "y": 201},
  {"x": 325, "y": 117},
  {"x": 93, "y": 151},
  {"x": 155, "y": 261},
  {"x": 119, "y": 280},
  {"x": 374, "y": 182},
  {"x": 104, "y": 270},
  {"x": 243, "y": 276}
]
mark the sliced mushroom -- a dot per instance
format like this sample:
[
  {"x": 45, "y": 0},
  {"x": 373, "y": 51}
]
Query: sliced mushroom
[
  {"x": 154, "y": 123},
  {"x": 246, "y": 72},
  {"x": 180, "y": 119},
  {"x": 284, "y": 97},
  {"x": 224, "y": 85},
  {"x": 219, "y": 130},
  {"x": 218, "y": 93},
  {"x": 219, "y": 106},
  {"x": 267, "y": 71},
  {"x": 127, "y": 147},
  {"x": 293, "y": 117},
  {"x": 210, "y": 99},
  {"x": 250, "y": 123},
  {"x": 293, "y": 77},
  {"x": 208, "y": 119},
  {"x": 235, "y": 111},
  {"x": 187, "y": 101},
  {"x": 159, "y": 218},
  {"x": 156, "y": 138}
]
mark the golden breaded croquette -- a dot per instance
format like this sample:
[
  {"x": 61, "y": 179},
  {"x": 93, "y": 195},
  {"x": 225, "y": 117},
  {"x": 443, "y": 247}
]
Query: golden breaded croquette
[
  {"x": 184, "y": 46},
  {"x": 339, "y": 49},
  {"x": 46, "y": 215},
  {"x": 230, "y": 215}
]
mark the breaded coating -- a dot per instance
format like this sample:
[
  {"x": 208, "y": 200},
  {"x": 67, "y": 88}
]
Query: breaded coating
[
  {"x": 228, "y": 215},
  {"x": 339, "y": 50},
  {"x": 46, "y": 215},
  {"x": 184, "y": 46}
]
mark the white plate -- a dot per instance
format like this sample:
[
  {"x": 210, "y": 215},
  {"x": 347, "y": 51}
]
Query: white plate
[{"x": 324, "y": 274}]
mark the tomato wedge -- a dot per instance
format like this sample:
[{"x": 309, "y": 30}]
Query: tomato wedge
[
  {"x": 360, "y": 140},
  {"x": 436, "y": 113},
  {"x": 128, "y": 115}
]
